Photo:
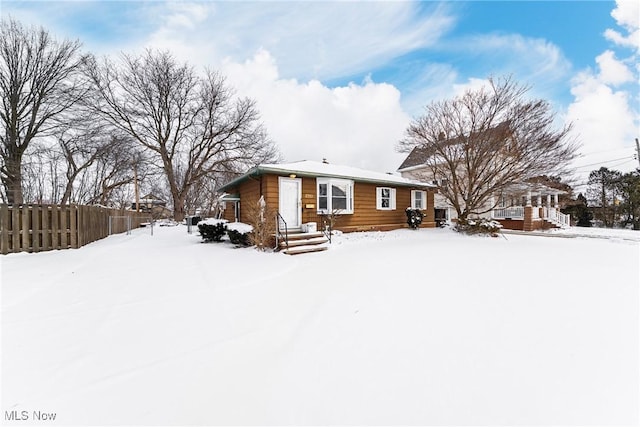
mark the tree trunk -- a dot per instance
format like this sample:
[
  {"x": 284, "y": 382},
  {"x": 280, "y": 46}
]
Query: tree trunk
[
  {"x": 13, "y": 180},
  {"x": 68, "y": 190},
  {"x": 178, "y": 208}
]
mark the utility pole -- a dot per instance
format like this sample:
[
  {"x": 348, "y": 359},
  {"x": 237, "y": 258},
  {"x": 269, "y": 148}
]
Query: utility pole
[
  {"x": 135, "y": 186},
  {"x": 638, "y": 150}
]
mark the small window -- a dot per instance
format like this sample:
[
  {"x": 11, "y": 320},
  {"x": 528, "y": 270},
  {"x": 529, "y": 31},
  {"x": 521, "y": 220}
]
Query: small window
[
  {"x": 323, "y": 201},
  {"x": 418, "y": 199},
  {"x": 385, "y": 198}
]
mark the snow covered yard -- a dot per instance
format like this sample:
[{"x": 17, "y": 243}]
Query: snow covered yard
[{"x": 397, "y": 328}]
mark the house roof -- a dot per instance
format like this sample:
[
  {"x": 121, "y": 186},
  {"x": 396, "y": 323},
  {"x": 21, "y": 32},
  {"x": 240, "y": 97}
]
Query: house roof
[
  {"x": 311, "y": 168},
  {"x": 419, "y": 155}
]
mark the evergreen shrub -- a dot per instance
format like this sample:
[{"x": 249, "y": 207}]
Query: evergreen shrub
[
  {"x": 239, "y": 233},
  {"x": 212, "y": 230}
]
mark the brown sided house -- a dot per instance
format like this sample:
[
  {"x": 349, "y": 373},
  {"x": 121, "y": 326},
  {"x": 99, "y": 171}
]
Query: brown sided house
[{"x": 307, "y": 191}]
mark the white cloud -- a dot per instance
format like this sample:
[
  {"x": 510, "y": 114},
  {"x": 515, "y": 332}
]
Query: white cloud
[
  {"x": 604, "y": 111},
  {"x": 186, "y": 16},
  {"x": 472, "y": 84},
  {"x": 613, "y": 71},
  {"x": 604, "y": 123},
  {"x": 357, "y": 125},
  {"x": 632, "y": 40},
  {"x": 627, "y": 15},
  {"x": 320, "y": 40},
  {"x": 531, "y": 59}
]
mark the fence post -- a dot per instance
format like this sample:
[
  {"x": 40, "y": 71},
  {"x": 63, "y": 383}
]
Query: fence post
[
  {"x": 55, "y": 227},
  {"x": 4, "y": 229},
  {"x": 36, "y": 213},
  {"x": 73, "y": 225},
  {"x": 15, "y": 228},
  {"x": 46, "y": 230},
  {"x": 64, "y": 241},
  {"x": 26, "y": 228},
  {"x": 80, "y": 226}
]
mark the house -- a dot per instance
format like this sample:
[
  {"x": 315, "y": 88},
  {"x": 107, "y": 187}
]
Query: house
[
  {"x": 526, "y": 206},
  {"x": 152, "y": 205},
  {"x": 312, "y": 192}
]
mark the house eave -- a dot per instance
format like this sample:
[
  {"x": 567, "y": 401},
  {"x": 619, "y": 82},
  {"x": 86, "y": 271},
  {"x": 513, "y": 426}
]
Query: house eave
[
  {"x": 262, "y": 170},
  {"x": 412, "y": 168}
]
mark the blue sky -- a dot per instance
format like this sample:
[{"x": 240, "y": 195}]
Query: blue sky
[{"x": 342, "y": 80}]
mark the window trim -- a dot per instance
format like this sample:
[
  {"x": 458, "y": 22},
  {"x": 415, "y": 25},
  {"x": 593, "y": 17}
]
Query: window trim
[
  {"x": 330, "y": 182},
  {"x": 423, "y": 199},
  {"x": 392, "y": 199}
]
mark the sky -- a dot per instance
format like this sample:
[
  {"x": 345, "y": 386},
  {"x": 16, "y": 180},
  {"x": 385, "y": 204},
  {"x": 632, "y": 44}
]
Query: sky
[{"x": 343, "y": 80}]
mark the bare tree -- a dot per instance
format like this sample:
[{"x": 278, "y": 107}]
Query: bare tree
[
  {"x": 481, "y": 143},
  {"x": 81, "y": 142},
  {"x": 192, "y": 126},
  {"x": 42, "y": 173},
  {"x": 108, "y": 181},
  {"x": 37, "y": 83}
]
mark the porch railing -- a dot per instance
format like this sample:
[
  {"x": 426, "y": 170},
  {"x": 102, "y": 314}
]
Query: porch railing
[
  {"x": 517, "y": 212},
  {"x": 514, "y": 212},
  {"x": 557, "y": 217},
  {"x": 282, "y": 231}
]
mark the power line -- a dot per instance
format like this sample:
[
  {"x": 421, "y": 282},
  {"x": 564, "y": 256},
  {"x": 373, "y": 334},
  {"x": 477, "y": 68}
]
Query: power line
[
  {"x": 606, "y": 151},
  {"x": 606, "y": 161}
]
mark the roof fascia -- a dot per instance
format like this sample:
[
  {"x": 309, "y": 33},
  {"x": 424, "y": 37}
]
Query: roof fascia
[
  {"x": 343, "y": 176},
  {"x": 412, "y": 168},
  {"x": 261, "y": 170}
]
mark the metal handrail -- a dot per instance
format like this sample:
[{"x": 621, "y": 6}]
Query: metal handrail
[{"x": 279, "y": 233}]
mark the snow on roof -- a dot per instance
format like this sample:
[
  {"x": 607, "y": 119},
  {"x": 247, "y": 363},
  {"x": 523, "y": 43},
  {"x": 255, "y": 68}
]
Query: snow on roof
[{"x": 313, "y": 168}]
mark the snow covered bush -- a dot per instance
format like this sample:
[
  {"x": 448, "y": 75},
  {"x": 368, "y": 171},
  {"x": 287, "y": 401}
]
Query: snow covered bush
[
  {"x": 414, "y": 218},
  {"x": 263, "y": 220},
  {"x": 478, "y": 226},
  {"x": 239, "y": 233},
  {"x": 330, "y": 219},
  {"x": 212, "y": 230}
]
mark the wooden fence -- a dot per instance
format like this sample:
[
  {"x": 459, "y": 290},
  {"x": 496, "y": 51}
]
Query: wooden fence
[{"x": 36, "y": 228}]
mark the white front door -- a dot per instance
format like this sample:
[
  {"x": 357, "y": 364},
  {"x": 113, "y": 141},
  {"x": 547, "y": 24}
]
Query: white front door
[{"x": 291, "y": 201}]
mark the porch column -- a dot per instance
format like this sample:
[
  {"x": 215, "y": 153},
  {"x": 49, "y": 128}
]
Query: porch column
[
  {"x": 539, "y": 206},
  {"x": 555, "y": 201},
  {"x": 547, "y": 208},
  {"x": 528, "y": 198}
]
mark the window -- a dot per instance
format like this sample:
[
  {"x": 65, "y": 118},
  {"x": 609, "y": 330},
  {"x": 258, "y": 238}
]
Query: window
[
  {"x": 335, "y": 195},
  {"x": 418, "y": 199},
  {"x": 385, "y": 198}
]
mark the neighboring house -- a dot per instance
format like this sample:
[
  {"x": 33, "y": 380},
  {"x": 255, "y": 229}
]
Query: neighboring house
[
  {"x": 151, "y": 204},
  {"x": 526, "y": 206},
  {"x": 309, "y": 192}
]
